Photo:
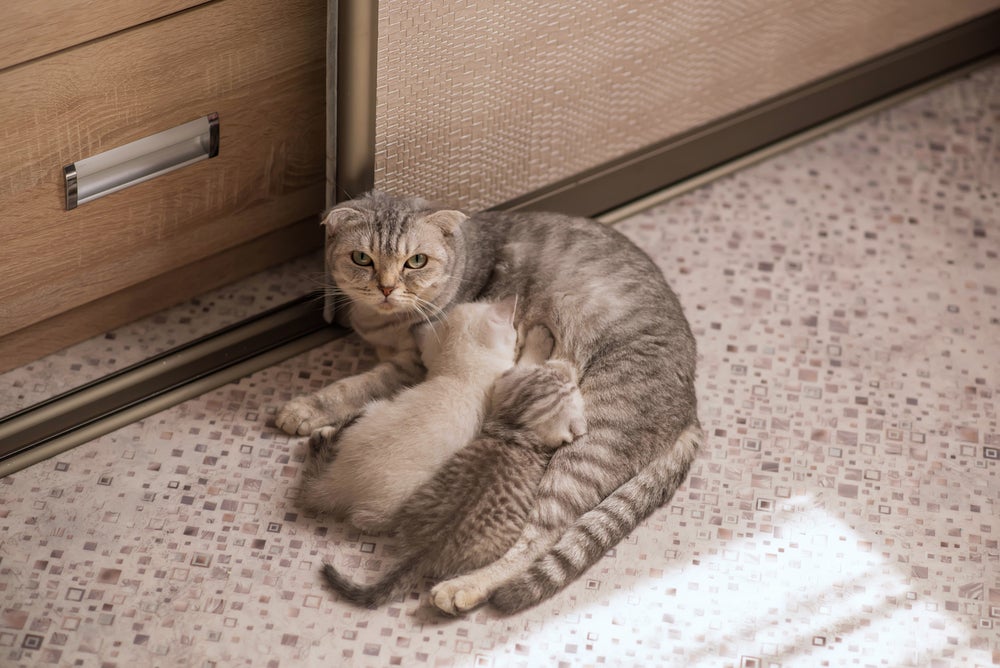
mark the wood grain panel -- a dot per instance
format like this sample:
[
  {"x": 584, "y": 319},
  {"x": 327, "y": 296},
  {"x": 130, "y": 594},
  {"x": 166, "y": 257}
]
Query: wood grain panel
[
  {"x": 158, "y": 293},
  {"x": 33, "y": 28},
  {"x": 259, "y": 63}
]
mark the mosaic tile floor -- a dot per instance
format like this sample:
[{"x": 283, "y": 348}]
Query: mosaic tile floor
[{"x": 844, "y": 512}]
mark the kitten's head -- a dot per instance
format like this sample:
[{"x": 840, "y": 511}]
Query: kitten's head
[
  {"x": 391, "y": 254},
  {"x": 471, "y": 334},
  {"x": 542, "y": 399}
]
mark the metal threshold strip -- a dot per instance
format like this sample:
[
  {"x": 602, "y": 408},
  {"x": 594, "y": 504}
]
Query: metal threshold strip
[{"x": 99, "y": 407}]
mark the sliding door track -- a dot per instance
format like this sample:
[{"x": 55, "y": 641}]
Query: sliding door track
[{"x": 101, "y": 406}]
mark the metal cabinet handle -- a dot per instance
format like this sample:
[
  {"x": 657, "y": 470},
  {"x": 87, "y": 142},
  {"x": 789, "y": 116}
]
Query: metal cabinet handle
[{"x": 141, "y": 160}]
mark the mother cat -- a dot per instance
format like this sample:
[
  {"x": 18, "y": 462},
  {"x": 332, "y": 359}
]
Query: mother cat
[{"x": 396, "y": 261}]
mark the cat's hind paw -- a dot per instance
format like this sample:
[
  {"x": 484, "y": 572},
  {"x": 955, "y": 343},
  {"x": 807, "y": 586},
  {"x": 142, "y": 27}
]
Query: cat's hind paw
[{"x": 454, "y": 597}]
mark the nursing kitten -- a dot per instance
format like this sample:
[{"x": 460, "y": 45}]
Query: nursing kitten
[
  {"x": 365, "y": 471},
  {"x": 475, "y": 506},
  {"x": 394, "y": 260}
]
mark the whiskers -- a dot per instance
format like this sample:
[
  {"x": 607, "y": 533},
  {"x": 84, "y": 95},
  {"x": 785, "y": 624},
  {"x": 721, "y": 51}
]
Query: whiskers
[
  {"x": 328, "y": 291},
  {"x": 319, "y": 279},
  {"x": 345, "y": 191},
  {"x": 408, "y": 306},
  {"x": 427, "y": 310},
  {"x": 336, "y": 299}
]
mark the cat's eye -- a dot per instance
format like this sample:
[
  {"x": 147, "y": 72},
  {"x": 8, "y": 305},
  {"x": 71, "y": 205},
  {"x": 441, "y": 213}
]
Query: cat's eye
[
  {"x": 361, "y": 259},
  {"x": 417, "y": 261}
]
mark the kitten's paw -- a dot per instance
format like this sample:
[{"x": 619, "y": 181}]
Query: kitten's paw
[
  {"x": 538, "y": 345},
  {"x": 324, "y": 444},
  {"x": 454, "y": 597},
  {"x": 301, "y": 416}
]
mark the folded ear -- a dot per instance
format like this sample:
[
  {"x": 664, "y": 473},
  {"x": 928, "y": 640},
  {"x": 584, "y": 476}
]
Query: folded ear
[
  {"x": 337, "y": 216},
  {"x": 448, "y": 220}
]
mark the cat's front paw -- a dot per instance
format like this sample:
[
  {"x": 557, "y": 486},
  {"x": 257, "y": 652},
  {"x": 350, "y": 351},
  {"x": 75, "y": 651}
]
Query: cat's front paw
[
  {"x": 301, "y": 416},
  {"x": 537, "y": 347},
  {"x": 453, "y": 597}
]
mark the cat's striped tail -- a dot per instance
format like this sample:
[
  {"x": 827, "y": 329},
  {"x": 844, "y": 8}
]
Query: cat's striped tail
[
  {"x": 402, "y": 576},
  {"x": 598, "y": 530}
]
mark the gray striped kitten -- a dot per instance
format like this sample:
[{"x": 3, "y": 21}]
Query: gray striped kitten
[
  {"x": 474, "y": 508},
  {"x": 613, "y": 317}
]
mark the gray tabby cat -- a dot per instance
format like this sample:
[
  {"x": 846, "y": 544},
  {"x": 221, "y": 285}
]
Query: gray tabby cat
[
  {"x": 473, "y": 509},
  {"x": 396, "y": 261}
]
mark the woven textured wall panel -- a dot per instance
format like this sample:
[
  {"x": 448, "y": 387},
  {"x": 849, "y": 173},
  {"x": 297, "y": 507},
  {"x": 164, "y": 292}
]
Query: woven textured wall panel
[{"x": 482, "y": 101}]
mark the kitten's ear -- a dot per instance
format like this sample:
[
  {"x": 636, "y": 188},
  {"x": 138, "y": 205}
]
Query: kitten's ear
[
  {"x": 566, "y": 370},
  {"x": 504, "y": 310},
  {"x": 448, "y": 220},
  {"x": 336, "y": 217},
  {"x": 578, "y": 426}
]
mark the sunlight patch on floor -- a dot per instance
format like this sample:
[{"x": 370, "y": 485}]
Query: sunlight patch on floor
[{"x": 814, "y": 591}]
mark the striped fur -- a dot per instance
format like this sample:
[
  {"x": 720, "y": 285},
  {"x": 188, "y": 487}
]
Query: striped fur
[
  {"x": 612, "y": 315},
  {"x": 474, "y": 507},
  {"x": 401, "y": 577},
  {"x": 600, "y": 529}
]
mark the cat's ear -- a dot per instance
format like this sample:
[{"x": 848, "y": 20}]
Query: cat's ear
[
  {"x": 564, "y": 369},
  {"x": 504, "y": 310},
  {"x": 447, "y": 220},
  {"x": 577, "y": 426},
  {"x": 336, "y": 217}
]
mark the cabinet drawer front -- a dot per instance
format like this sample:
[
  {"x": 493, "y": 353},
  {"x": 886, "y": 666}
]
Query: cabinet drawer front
[
  {"x": 259, "y": 64},
  {"x": 38, "y": 27}
]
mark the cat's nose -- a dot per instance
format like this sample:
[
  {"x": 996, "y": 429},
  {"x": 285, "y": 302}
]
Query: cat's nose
[{"x": 387, "y": 289}]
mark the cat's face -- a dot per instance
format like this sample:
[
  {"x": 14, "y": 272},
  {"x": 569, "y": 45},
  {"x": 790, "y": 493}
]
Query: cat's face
[{"x": 391, "y": 259}]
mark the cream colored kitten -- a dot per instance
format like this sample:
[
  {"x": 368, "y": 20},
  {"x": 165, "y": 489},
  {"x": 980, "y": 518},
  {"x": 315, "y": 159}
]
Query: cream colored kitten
[{"x": 377, "y": 461}]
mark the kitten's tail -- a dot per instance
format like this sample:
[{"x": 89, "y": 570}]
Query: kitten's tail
[
  {"x": 598, "y": 530},
  {"x": 403, "y": 576}
]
